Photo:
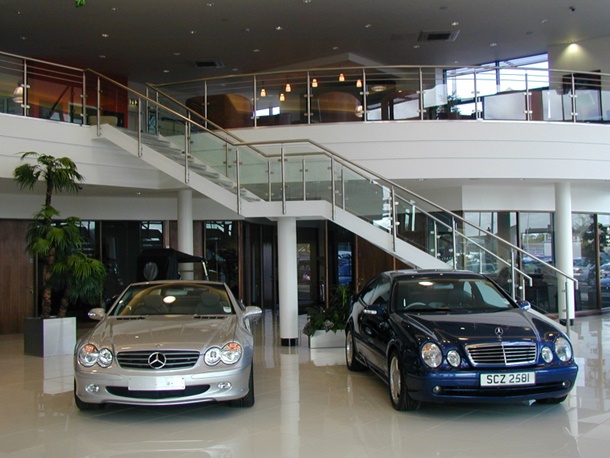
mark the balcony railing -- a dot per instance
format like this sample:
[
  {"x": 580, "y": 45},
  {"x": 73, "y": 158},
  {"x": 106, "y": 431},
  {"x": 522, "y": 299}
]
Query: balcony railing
[{"x": 297, "y": 170}]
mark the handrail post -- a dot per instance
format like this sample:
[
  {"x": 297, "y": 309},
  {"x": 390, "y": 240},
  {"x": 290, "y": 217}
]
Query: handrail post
[
  {"x": 454, "y": 242},
  {"x": 573, "y": 97},
  {"x": 332, "y": 186},
  {"x": 269, "y": 184},
  {"x": 308, "y": 97},
  {"x": 139, "y": 127},
  {"x": 83, "y": 112},
  {"x": 421, "y": 95},
  {"x": 283, "y": 172},
  {"x": 98, "y": 107},
  {"x": 205, "y": 103},
  {"x": 435, "y": 235},
  {"x": 303, "y": 175},
  {"x": 394, "y": 224},
  {"x": 476, "y": 94},
  {"x": 364, "y": 94},
  {"x": 528, "y": 101},
  {"x": 512, "y": 274},
  {"x": 187, "y": 148},
  {"x": 238, "y": 180},
  {"x": 24, "y": 101},
  {"x": 254, "y": 100}
]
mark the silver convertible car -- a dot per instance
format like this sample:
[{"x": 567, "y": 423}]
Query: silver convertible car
[{"x": 165, "y": 343}]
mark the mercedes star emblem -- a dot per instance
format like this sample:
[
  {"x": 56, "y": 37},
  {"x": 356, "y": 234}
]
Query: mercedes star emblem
[
  {"x": 157, "y": 360},
  {"x": 499, "y": 331}
]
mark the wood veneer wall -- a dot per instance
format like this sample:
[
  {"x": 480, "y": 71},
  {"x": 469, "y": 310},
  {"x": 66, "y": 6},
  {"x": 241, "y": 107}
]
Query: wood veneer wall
[{"x": 16, "y": 277}]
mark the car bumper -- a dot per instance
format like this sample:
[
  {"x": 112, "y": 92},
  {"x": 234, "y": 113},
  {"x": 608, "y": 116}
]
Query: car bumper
[
  {"x": 100, "y": 387},
  {"x": 466, "y": 386}
]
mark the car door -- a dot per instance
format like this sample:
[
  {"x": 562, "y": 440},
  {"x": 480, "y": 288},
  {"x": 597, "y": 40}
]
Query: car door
[{"x": 374, "y": 322}]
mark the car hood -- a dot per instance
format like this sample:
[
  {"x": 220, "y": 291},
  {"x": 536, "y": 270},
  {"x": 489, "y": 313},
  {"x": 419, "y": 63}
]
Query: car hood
[
  {"x": 514, "y": 324},
  {"x": 177, "y": 332}
]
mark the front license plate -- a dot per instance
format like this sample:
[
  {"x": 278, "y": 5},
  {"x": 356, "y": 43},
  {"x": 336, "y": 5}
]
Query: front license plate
[
  {"x": 156, "y": 383},
  {"x": 508, "y": 379}
]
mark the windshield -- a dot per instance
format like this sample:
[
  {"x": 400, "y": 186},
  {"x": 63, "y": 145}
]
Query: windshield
[
  {"x": 435, "y": 295},
  {"x": 174, "y": 299}
]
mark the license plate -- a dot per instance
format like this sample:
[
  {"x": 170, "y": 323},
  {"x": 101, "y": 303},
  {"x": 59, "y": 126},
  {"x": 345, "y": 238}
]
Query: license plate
[
  {"x": 156, "y": 383},
  {"x": 508, "y": 379}
]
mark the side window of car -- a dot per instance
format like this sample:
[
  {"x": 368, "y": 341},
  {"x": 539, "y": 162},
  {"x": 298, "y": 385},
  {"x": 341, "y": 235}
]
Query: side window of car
[
  {"x": 381, "y": 296},
  {"x": 367, "y": 294}
]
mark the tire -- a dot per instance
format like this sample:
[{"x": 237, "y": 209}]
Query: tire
[
  {"x": 558, "y": 400},
  {"x": 82, "y": 405},
  {"x": 350, "y": 353},
  {"x": 397, "y": 383},
  {"x": 248, "y": 399}
]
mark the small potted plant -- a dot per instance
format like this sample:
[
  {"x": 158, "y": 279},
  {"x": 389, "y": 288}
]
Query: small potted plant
[{"x": 324, "y": 322}]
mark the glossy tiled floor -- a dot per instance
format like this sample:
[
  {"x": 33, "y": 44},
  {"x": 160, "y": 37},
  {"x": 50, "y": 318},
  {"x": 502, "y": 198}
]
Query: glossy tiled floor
[{"x": 307, "y": 405}]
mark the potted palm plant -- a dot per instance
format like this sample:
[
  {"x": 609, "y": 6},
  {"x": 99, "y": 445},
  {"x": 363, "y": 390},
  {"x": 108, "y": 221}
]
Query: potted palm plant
[{"x": 57, "y": 244}]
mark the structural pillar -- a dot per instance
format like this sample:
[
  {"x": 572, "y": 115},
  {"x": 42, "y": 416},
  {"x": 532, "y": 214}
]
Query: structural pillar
[
  {"x": 185, "y": 228},
  {"x": 563, "y": 250},
  {"x": 287, "y": 279}
]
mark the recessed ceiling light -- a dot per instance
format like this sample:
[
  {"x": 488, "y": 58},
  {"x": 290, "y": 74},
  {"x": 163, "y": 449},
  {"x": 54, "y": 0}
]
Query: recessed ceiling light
[
  {"x": 102, "y": 56},
  {"x": 455, "y": 23},
  {"x": 177, "y": 54},
  {"x": 493, "y": 45},
  {"x": 368, "y": 26},
  {"x": 209, "y": 4},
  {"x": 279, "y": 28},
  {"x": 23, "y": 37},
  {"x": 335, "y": 48},
  {"x": 255, "y": 50},
  {"x": 193, "y": 32},
  {"x": 105, "y": 35},
  {"x": 415, "y": 46},
  {"x": 165, "y": 71}
]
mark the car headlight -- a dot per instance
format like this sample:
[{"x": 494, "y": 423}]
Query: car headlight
[
  {"x": 229, "y": 354},
  {"x": 453, "y": 358},
  {"x": 563, "y": 349},
  {"x": 105, "y": 357},
  {"x": 547, "y": 354},
  {"x": 431, "y": 354},
  {"x": 88, "y": 355}
]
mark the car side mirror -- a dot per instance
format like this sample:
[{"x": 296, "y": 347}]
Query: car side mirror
[
  {"x": 525, "y": 305},
  {"x": 97, "y": 313},
  {"x": 373, "y": 310},
  {"x": 252, "y": 313}
]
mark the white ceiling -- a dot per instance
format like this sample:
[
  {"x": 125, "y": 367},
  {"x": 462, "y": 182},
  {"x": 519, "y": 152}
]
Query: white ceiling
[{"x": 159, "y": 41}]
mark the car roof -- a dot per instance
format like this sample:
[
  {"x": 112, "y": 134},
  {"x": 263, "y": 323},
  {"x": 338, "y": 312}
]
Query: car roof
[
  {"x": 178, "y": 282},
  {"x": 404, "y": 274}
]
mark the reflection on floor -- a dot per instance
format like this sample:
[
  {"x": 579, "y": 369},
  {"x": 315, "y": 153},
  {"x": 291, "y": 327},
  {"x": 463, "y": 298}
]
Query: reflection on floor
[{"x": 307, "y": 404}]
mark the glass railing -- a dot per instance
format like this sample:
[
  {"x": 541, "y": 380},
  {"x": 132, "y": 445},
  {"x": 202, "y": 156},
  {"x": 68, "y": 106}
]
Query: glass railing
[{"x": 299, "y": 170}]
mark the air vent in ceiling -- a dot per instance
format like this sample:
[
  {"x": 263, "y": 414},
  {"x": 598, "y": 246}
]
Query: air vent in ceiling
[
  {"x": 209, "y": 64},
  {"x": 438, "y": 36}
]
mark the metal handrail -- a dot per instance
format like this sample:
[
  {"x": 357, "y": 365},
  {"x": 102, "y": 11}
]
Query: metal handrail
[{"x": 333, "y": 156}]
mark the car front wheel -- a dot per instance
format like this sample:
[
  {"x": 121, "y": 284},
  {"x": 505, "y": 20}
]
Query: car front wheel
[
  {"x": 398, "y": 386},
  {"x": 248, "y": 399},
  {"x": 350, "y": 353}
]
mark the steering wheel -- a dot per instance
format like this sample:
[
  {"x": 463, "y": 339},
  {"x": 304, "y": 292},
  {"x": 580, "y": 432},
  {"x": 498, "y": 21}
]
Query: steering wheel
[{"x": 417, "y": 304}]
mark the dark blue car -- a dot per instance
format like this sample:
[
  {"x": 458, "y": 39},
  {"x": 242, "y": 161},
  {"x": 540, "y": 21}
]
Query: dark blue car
[{"x": 438, "y": 336}]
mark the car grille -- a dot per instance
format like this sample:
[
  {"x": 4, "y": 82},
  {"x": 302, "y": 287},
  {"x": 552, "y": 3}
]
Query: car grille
[
  {"x": 171, "y": 359},
  {"x": 188, "y": 391},
  {"x": 502, "y": 354}
]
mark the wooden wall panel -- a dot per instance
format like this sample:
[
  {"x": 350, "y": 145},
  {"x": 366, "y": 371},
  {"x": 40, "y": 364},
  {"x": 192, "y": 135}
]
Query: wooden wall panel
[
  {"x": 16, "y": 277},
  {"x": 372, "y": 261}
]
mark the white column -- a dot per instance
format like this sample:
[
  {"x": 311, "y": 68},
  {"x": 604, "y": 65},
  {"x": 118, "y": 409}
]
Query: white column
[
  {"x": 563, "y": 250},
  {"x": 185, "y": 229},
  {"x": 287, "y": 278}
]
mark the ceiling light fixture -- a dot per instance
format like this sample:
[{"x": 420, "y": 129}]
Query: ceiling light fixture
[
  {"x": 282, "y": 97},
  {"x": 288, "y": 87},
  {"x": 263, "y": 92},
  {"x": 359, "y": 83},
  {"x": 341, "y": 77},
  {"x": 314, "y": 83}
]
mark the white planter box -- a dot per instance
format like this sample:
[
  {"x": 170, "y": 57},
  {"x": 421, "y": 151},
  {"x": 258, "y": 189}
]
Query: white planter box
[
  {"x": 49, "y": 337},
  {"x": 327, "y": 339}
]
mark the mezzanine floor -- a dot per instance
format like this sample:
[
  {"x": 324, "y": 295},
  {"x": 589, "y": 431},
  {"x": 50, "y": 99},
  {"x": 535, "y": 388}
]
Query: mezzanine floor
[{"x": 307, "y": 405}]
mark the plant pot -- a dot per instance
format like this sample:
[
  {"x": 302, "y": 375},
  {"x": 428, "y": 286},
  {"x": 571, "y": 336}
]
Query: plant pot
[
  {"x": 49, "y": 337},
  {"x": 327, "y": 339}
]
